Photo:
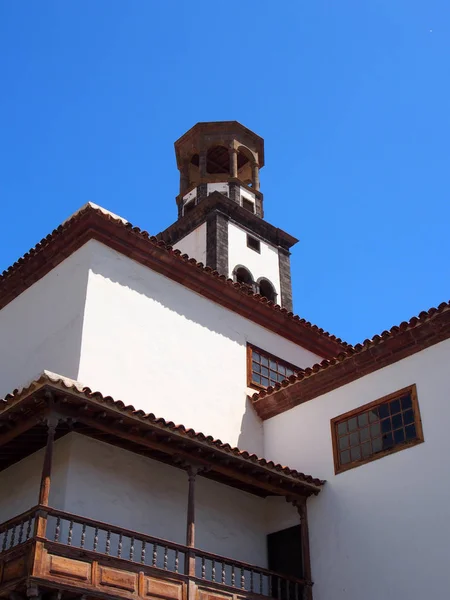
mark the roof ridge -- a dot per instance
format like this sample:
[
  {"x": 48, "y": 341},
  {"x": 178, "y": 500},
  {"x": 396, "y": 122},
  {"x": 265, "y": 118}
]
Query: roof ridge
[
  {"x": 242, "y": 288},
  {"x": 351, "y": 351}
]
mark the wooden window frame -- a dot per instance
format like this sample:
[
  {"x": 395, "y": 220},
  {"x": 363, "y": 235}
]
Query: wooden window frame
[
  {"x": 250, "y": 349},
  {"x": 412, "y": 390}
]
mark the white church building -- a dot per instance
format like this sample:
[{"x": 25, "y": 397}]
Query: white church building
[{"x": 171, "y": 430}]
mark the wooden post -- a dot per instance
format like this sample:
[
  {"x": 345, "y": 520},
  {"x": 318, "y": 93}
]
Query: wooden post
[
  {"x": 44, "y": 490},
  {"x": 302, "y": 511},
  {"x": 190, "y": 528},
  {"x": 255, "y": 176},
  {"x": 233, "y": 162}
]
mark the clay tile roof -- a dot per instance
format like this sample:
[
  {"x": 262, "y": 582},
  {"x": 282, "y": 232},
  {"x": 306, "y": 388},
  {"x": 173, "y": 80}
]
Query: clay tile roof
[
  {"x": 56, "y": 381},
  {"x": 428, "y": 328},
  {"x": 94, "y": 222}
]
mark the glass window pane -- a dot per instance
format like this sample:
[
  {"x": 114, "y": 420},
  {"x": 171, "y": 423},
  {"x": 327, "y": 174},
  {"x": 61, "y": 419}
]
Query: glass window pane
[
  {"x": 406, "y": 402},
  {"x": 410, "y": 432},
  {"x": 408, "y": 417},
  {"x": 256, "y": 367},
  {"x": 281, "y": 377},
  {"x": 366, "y": 450},
  {"x": 375, "y": 429},
  {"x": 373, "y": 415},
  {"x": 256, "y": 378},
  {"x": 364, "y": 434},
  {"x": 354, "y": 439},
  {"x": 345, "y": 457},
  {"x": 265, "y": 371},
  {"x": 394, "y": 407},
  {"x": 343, "y": 442},
  {"x": 355, "y": 453},
  {"x": 388, "y": 441},
  {"x": 363, "y": 419},
  {"x": 264, "y": 361},
  {"x": 273, "y": 375},
  {"x": 282, "y": 369},
  {"x": 256, "y": 356},
  {"x": 397, "y": 421},
  {"x": 383, "y": 411},
  {"x": 353, "y": 424},
  {"x": 289, "y": 372},
  {"x": 342, "y": 428},
  {"x": 264, "y": 381},
  {"x": 273, "y": 365},
  {"x": 399, "y": 436},
  {"x": 377, "y": 445},
  {"x": 386, "y": 425}
]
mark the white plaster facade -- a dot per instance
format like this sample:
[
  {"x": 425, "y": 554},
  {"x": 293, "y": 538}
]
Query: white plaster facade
[
  {"x": 380, "y": 530},
  {"x": 260, "y": 264},
  {"x": 194, "y": 244}
]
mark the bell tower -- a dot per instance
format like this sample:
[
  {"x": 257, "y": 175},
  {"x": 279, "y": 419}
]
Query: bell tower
[
  {"x": 220, "y": 210},
  {"x": 223, "y": 157}
]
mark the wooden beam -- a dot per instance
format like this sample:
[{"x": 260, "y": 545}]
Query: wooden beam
[
  {"x": 172, "y": 449},
  {"x": 306, "y": 554}
]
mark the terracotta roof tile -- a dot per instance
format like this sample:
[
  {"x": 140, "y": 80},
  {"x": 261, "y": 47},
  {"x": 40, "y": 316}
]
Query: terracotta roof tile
[
  {"x": 23, "y": 273},
  {"x": 420, "y": 332},
  {"x": 55, "y": 380}
]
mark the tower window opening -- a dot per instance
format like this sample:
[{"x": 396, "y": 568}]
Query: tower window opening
[
  {"x": 195, "y": 160},
  {"x": 243, "y": 276},
  {"x": 253, "y": 243},
  {"x": 267, "y": 290},
  {"x": 248, "y": 205},
  {"x": 188, "y": 207},
  {"x": 218, "y": 160}
]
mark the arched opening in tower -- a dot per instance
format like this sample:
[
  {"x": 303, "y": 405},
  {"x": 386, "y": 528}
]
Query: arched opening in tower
[
  {"x": 267, "y": 290},
  {"x": 218, "y": 160},
  {"x": 244, "y": 165},
  {"x": 243, "y": 276}
]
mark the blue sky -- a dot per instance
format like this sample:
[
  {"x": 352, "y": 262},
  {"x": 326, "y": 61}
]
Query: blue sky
[{"x": 351, "y": 97}]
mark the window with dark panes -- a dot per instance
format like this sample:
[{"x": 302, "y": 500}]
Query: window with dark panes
[
  {"x": 264, "y": 369},
  {"x": 372, "y": 431}
]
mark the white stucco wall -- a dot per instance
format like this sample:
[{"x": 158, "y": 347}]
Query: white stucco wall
[
  {"x": 19, "y": 484},
  {"x": 380, "y": 530},
  {"x": 153, "y": 343},
  {"x": 263, "y": 264},
  {"x": 194, "y": 244},
  {"x": 41, "y": 328},
  {"x": 121, "y": 488},
  {"x": 223, "y": 188}
]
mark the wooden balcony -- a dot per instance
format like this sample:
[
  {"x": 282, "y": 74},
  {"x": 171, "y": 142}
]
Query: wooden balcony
[{"x": 48, "y": 552}]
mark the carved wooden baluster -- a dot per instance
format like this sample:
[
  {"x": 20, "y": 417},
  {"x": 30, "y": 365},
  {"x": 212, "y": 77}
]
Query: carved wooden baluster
[
  {"x": 296, "y": 590},
  {"x": 94, "y": 547},
  {"x": 13, "y": 536},
  {"x": 213, "y": 570},
  {"x": 279, "y": 588},
  {"x": 155, "y": 555},
  {"x": 143, "y": 552},
  {"x": 132, "y": 548},
  {"x": 166, "y": 550},
  {"x": 83, "y": 535},
  {"x": 251, "y": 581},
  {"x": 223, "y": 572},
  {"x": 108, "y": 542},
  {"x": 57, "y": 529},
  {"x": 269, "y": 585},
  {"x": 203, "y": 568},
  {"x": 30, "y": 523},
  {"x": 242, "y": 578},
  {"x": 233, "y": 576},
  {"x": 119, "y": 547},
  {"x": 5, "y": 536},
  {"x": 70, "y": 534},
  {"x": 176, "y": 561},
  {"x": 22, "y": 523},
  {"x": 261, "y": 582}
]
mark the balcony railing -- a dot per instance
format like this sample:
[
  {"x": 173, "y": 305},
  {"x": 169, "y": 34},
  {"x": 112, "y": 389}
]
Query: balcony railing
[{"x": 99, "y": 540}]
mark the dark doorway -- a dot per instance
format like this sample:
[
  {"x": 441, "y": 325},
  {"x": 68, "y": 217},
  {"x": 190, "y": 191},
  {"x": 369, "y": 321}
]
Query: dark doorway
[{"x": 284, "y": 549}]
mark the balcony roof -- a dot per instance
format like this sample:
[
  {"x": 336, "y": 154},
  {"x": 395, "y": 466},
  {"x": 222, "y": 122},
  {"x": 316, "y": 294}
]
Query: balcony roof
[{"x": 22, "y": 432}]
